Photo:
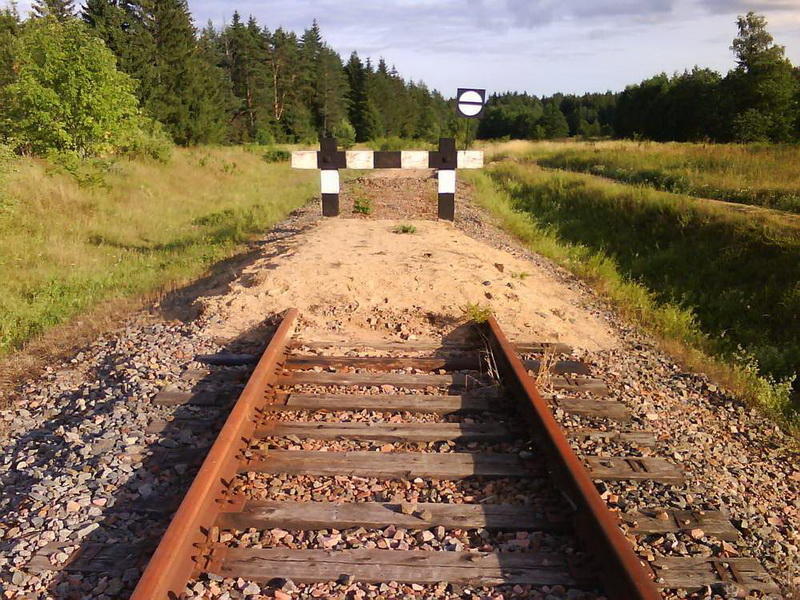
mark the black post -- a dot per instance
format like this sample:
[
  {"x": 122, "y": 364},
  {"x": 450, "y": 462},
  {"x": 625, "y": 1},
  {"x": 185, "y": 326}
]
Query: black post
[
  {"x": 446, "y": 161},
  {"x": 329, "y": 161}
]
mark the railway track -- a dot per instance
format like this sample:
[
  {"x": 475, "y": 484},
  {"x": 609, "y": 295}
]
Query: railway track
[{"x": 433, "y": 467}]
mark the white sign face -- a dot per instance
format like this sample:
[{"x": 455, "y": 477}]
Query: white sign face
[{"x": 470, "y": 102}]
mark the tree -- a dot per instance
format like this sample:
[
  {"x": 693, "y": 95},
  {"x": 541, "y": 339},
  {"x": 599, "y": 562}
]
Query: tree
[
  {"x": 184, "y": 92},
  {"x": 511, "y": 115},
  {"x": 763, "y": 85},
  {"x": 66, "y": 94},
  {"x": 692, "y": 106},
  {"x": 58, "y": 9},
  {"x": 245, "y": 57},
  {"x": 323, "y": 81},
  {"x": 9, "y": 29},
  {"x": 554, "y": 122},
  {"x": 121, "y": 25},
  {"x": 358, "y": 98}
]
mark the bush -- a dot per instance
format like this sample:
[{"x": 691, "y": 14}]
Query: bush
[
  {"x": 274, "y": 155},
  {"x": 345, "y": 134},
  {"x": 149, "y": 141},
  {"x": 362, "y": 205},
  {"x": 391, "y": 144},
  {"x": 66, "y": 93},
  {"x": 7, "y": 157}
]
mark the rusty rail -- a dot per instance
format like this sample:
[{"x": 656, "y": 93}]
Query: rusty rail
[
  {"x": 184, "y": 545},
  {"x": 622, "y": 572}
]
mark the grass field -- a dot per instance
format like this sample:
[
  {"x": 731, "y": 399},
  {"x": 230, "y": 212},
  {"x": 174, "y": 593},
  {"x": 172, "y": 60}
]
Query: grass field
[
  {"x": 761, "y": 175},
  {"x": 721, "y": 286},
  {"x": 122, "y": 228}
]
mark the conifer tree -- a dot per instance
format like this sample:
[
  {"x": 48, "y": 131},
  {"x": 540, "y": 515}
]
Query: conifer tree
[
  {"x": 58, "y": 9},
  {"x": 179, "y": 96},
  {"x": 358, "y": 98}
]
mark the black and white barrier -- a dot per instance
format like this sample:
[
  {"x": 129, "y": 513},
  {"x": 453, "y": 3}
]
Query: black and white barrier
[{"x": 446, "y": 160}]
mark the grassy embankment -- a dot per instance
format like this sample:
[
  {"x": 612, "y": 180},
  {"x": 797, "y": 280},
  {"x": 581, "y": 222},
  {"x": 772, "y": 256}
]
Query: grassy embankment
[
  {"x": 125, "y": 228},
  {"x": 757, "y": 174},
  {"x": 720, "y": 288}
]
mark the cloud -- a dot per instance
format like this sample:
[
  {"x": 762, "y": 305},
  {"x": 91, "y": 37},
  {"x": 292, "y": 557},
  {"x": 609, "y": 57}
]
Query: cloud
[
  {"x": 743, "y": 6},
  {"x": 542, "y": 12}
]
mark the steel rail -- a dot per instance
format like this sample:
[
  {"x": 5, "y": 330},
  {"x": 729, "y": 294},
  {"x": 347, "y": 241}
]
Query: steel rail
[
  {"x": 182, "y": 548},
  {"x": 624, "y": 576}
]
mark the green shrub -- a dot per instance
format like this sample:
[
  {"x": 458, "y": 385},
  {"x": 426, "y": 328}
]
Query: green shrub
[
  {"x": 477, "y": 313},
  {"x": 405, "y": 228},
  {"x": 274, "y": 155},
  {"x": 345, "y": 134},
  {"x": 7, "y": 158},
  {"x": 66, "y": 93},
  {"x": 395, "y": 143},
  {"x": 362, "y": 205},
  {"x": 148, "y": 141}
]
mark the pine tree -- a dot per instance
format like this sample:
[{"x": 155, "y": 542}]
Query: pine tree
[
  {"x": 59, "y": 9},
  {"x": 245, "y": 50},
  {"x": 358, "y": 98},
  {"x": 120, "y": 24},
  {"x": 179, "y": 96},
  {"x": 323, "y": 82}
]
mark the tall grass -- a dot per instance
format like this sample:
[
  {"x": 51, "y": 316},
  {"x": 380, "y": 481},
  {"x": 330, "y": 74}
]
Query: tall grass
[
  {"x": 720, "y": 288},
  {"x": 132, "y": 227},
  {"x": 762, "y": 175}
]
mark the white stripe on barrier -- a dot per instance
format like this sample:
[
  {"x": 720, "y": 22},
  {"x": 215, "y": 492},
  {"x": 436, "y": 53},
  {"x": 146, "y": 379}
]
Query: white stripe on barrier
[
  {"x": 470, "y": 159},
  {"x": 360, "y": 159},
  {"x": 447, "y": 182},
  {"x": 414, "y": 159},
  {"x": 365, "y": 159},
  {"x": 329, "y": 182},
  {"x": 304, "y": 159}
]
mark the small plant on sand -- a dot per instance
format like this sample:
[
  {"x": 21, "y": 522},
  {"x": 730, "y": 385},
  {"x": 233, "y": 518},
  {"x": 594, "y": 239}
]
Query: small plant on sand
[
  {"x": 479, "y": 313},
  {"x": 405, "y": 228},
  {"x": 521, "y": 275},
  {"x": 545, "y": 373},
  {"x": 362, "y": 205}
]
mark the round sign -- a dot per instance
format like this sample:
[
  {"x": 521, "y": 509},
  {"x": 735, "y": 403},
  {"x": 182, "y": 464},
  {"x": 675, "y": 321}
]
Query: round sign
[{"x": 470, "y": 102}]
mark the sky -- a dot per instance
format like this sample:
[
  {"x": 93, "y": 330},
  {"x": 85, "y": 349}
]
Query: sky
[{"x": 538, "y": 46}]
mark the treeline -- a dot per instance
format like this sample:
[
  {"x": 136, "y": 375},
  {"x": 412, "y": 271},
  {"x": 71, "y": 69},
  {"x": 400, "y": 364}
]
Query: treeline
[
  {"x": 757, "y": 101},
  {"x": 522, "y": 116},
  {"x": 122, "y": 74}
]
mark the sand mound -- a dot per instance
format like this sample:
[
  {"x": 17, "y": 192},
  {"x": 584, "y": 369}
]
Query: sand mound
[{"x": 359, "y": 278}]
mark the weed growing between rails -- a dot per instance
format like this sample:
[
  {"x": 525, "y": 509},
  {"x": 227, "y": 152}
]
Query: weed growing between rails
[
  {"x": 675, "y": 323},
  {"x": 65, "y": 245}
]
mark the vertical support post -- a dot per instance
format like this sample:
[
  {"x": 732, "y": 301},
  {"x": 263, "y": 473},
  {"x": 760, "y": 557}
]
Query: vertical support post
[
  {"x": 329, "y": 161},
  {"x": 446, "y": 161}
]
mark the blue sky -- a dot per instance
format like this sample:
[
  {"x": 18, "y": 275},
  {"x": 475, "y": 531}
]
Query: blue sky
[{"x": 540, "y": 46}]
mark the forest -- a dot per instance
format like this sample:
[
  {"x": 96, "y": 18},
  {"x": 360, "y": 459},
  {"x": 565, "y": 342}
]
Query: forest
[
  {"x": 119, "y": 76},
  {"x": 155, "y": 77}
]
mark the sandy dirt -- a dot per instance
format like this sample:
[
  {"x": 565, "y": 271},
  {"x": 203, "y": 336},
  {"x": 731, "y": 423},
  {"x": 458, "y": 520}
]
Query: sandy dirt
[{"x": 358, "y": 277}]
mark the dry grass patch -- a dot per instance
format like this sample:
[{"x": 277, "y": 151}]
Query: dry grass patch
[{"x": 131, "y": 228}]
